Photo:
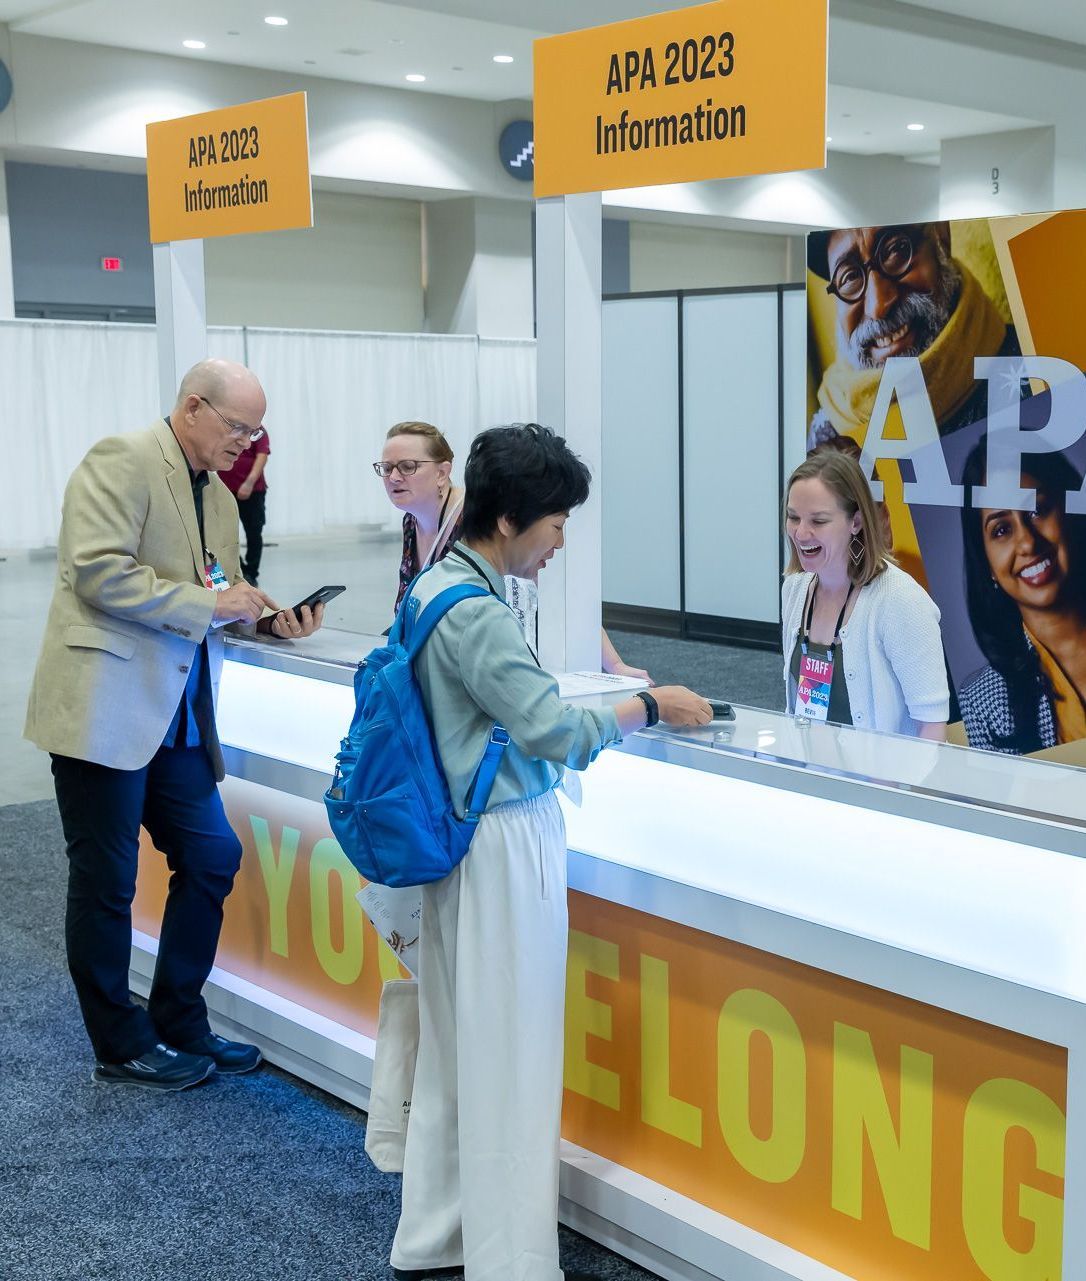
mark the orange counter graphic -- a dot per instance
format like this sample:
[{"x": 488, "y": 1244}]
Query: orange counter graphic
[{"x": 883, "y": 1137}]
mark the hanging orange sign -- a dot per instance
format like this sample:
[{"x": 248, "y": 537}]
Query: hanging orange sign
[
  {"x": 716, "y": 91},
  {"x": 221, "y": 173}
]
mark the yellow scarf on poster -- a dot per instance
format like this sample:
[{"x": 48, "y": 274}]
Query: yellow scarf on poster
[
  {"x": 975, "y": 328},
  {"x": 847, "y": 395},
  {"x": 1068, "y": 710}
]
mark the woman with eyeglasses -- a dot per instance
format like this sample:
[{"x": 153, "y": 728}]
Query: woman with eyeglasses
[{"x": 416, "y": 467}]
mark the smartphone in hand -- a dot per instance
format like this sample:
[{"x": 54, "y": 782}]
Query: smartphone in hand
[{"x": 320, "y": 597}]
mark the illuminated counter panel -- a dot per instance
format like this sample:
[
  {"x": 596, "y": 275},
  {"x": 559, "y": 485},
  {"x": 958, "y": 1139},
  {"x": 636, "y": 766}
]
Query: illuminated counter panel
[
  {"x": 876, "y": 1134},
  {"x": 813, "y": 1031}
]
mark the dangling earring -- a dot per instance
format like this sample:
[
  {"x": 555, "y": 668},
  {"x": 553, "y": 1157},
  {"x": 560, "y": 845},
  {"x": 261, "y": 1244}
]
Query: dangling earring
[{"x": 856, "y": 550}]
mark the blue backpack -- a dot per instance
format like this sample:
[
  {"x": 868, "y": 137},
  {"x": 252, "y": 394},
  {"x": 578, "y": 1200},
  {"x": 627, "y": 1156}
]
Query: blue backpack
[{"x": 389, "y": 805}]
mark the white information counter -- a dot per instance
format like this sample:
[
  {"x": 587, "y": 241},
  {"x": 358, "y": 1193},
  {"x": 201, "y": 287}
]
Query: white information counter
[{"x": 825, "y": 1004}]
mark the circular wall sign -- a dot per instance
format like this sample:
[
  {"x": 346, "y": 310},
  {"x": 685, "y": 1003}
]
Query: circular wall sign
[
  {"x": 516, "y": 148},
  {"x": 5, "y": 86}
]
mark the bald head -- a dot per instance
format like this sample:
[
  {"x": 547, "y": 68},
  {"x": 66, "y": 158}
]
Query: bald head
[
  {"x": 216, "y": 395},
  {"x": 216, "y": 379}
]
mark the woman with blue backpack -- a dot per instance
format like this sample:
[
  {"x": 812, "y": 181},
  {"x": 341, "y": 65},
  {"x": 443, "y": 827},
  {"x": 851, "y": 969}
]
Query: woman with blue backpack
[{"x": 480, "y": 1185}]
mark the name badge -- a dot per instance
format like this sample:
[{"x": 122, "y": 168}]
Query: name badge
[
  {"x": 214, "y": 578},
  {"x": 813, "y": 689}
]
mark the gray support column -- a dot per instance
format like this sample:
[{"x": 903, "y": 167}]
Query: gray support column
[
  {"x": 7, "y": 282},
  {"x": 569, "y": 326},
  {"x": 478, "y": 267},
  {"x": 180, "y": 313}
]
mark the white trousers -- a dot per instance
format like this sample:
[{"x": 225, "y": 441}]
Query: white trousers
[{"x": 480, "y": 1183}]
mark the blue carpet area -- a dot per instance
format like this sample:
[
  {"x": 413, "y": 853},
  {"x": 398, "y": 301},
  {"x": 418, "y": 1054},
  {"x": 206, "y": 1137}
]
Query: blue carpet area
[{"x": 261, "y": 1176}]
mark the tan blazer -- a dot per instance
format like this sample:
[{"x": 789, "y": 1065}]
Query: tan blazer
[{"x": 130, "y": 606}]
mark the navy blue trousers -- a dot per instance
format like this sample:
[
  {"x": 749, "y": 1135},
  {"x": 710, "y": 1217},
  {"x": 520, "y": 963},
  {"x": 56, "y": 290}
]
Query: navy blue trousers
[{"x": 176, "y": 799}]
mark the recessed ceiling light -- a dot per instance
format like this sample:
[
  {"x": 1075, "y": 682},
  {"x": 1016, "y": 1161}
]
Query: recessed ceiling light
[
  {"x": 415, "y": 78},
  {"x": 914, "y": 128},
  {"x": 503, "y": 57},
  {"x": 276, "y": 22},
  {"x": 194, "y": 44},
  {"x": 828, "y": 138}
]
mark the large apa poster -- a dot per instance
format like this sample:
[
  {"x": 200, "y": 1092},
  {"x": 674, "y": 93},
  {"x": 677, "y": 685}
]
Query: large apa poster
[{"x": 948, "y": 356}]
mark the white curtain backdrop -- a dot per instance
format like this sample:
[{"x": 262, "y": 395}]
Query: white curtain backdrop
[{"x": 331, "y": 399}]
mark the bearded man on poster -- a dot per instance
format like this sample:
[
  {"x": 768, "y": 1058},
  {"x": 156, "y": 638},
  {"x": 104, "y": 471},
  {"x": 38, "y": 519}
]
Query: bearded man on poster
[{"x": 898, "y": 292}]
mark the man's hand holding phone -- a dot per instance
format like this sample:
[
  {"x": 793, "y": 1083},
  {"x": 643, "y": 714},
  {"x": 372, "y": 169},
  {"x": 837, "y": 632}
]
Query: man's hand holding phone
[{"x": 290, "y": 624}]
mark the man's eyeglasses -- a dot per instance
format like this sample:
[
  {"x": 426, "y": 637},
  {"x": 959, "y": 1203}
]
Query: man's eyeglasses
[
  {"x": 893, "y": 258},
  {"x": 406, "y": 467},
  {"x": 237, "y": 430}
]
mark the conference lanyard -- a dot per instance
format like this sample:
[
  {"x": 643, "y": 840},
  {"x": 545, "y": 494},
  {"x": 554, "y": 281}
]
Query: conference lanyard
[
  {"x": 816, "y": 674},
  {"x": 459, "y": 551}
]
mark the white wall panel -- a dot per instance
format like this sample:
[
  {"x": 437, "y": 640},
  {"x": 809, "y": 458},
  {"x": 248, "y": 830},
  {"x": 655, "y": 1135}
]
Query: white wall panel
[
  {"x": 641, "y": 452},
  {"x": 730, "y": 391}
]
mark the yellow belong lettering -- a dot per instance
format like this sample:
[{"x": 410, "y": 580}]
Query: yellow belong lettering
[
  {"x": 659, "y": 1108},
  {"x": 587, "y": 1017},
  {"x": 326, "y": 863},
  {"x": 775, "y": 1159},
  {"x": 903, "y": 1157},
  {"x": 997, "y": 1107},
  {"x": 278, "y": 874}
]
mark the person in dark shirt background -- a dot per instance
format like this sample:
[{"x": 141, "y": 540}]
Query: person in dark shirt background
[{"x": 246, "y": 482}]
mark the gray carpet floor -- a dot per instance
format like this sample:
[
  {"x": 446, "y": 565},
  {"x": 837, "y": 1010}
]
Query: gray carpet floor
[
  {"x": 257, "y": 1177},
  {"x": 751, "y": 677}
]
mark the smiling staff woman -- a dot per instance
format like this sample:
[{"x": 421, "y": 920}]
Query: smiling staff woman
[
  {"x": 1025, "y": 578},
  {"x": 861, "y": 638}
]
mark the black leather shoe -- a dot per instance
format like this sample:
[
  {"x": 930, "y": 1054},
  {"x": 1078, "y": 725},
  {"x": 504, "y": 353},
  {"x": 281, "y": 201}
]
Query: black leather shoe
[
  {"x": 159, "y": 1068},
  {"x": 425, "y": 1274},
  {"x": 232, "y": 1058}
]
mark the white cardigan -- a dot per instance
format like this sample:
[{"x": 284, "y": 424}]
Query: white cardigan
[{"x": 891, "y": 648}]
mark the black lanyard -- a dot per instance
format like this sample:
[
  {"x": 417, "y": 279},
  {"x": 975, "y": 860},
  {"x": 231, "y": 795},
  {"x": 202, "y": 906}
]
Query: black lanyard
[
  {"x": 459, "y": 551},
  {"x": 809, "y": 613}
]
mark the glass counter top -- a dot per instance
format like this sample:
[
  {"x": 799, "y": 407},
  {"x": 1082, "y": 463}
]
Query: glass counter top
[{"x": 1033, "y": 789}]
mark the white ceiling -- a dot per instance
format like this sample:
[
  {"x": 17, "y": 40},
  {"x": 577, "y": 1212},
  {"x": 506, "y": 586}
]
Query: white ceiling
[
  {"x": 1057, "y": 19},
  {"x": 452, "y": 43}
]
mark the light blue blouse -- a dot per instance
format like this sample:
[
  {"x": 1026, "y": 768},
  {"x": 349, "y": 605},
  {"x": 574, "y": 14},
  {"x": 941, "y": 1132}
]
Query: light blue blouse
[{"x": 476, "y": 669}]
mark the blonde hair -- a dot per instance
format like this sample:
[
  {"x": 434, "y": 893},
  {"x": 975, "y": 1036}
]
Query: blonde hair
[
  {"x": 842, "y": 476},
  {"x": 438, "y": 447}
]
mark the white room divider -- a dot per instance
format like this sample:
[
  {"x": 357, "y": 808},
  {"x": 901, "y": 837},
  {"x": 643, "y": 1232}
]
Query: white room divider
[
  {"x": 705, "y": 396},
  {"x": 331, "y": 398}
]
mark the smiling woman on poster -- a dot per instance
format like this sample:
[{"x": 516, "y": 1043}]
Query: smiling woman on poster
[
  {"x": 1025, "y": 578},
  {"x": 861, "y": 638}
]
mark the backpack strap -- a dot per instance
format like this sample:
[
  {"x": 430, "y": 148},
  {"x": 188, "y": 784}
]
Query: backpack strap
[
  {"x": 486, "y": 773},
  {"x": 417, "y": 627}
]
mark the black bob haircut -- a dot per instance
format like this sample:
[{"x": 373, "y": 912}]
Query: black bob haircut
[{"x": 522, "y": 472}]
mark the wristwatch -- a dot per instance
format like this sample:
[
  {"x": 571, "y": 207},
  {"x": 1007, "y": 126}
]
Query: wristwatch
[{"x": 652, "y": 707}]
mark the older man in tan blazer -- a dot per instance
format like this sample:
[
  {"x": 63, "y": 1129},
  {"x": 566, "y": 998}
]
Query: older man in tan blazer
[{"x": 123, "y": 699}]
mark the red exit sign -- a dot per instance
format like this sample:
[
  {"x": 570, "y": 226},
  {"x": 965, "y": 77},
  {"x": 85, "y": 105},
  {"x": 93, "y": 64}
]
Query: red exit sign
[{"x": 113, "y": 264}]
